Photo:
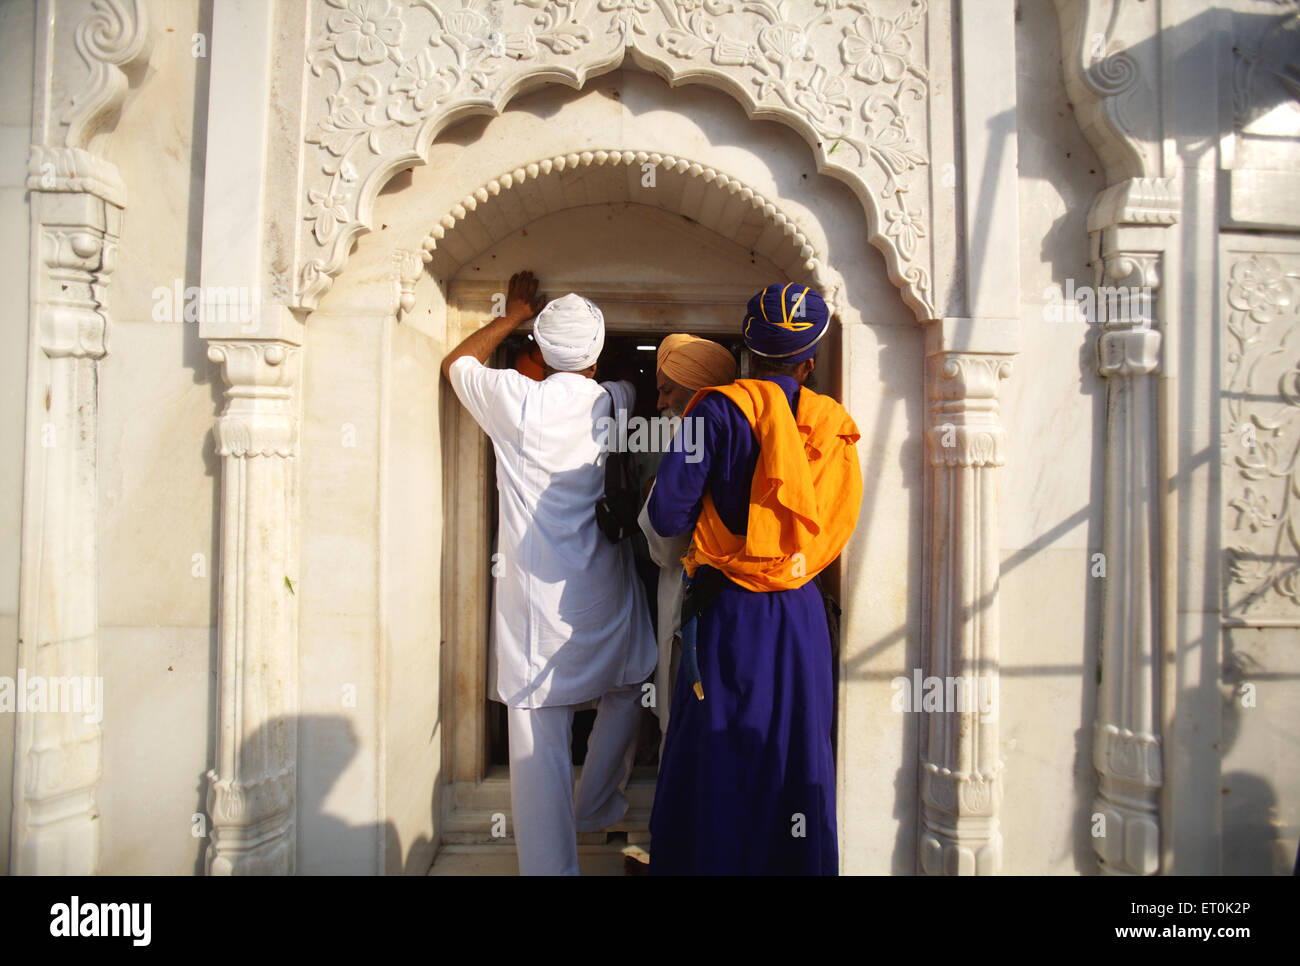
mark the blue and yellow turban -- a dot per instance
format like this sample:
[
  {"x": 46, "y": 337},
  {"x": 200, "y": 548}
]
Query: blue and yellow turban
[{"x": 784, "y": 323}]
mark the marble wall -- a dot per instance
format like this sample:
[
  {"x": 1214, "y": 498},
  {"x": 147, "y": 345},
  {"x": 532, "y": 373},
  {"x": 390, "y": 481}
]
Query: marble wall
[{"x": 1051, "y": 496}]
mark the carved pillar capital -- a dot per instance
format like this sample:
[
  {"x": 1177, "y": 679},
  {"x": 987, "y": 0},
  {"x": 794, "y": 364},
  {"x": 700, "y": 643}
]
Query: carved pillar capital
[
  {"x": 256, "y": 369},
  {"x": 77, "y": 234},
  {"x": 963, "y": 391},
  {"x": 1128, "y": 224},
  {"x": 260, "y": 417},
  {"x": 1132, "y": 352},
  {"x": 1131, "y": 270}
]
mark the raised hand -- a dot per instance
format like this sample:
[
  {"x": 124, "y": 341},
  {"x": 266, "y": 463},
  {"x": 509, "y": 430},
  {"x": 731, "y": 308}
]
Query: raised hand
[{"x": 522, "y": 300}]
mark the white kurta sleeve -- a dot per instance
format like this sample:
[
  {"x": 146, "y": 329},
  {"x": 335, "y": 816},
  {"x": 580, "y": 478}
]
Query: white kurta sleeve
[
  {"x": 492, "y": 396},
  {"x": 623, "y": 393},
  {"x": 664, "y": 551}
]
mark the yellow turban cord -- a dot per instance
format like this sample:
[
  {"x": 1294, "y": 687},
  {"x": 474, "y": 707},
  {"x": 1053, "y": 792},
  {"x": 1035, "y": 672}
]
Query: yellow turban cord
[{"x": 694, "y": 363}]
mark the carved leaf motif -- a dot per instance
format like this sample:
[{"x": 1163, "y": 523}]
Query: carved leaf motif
[
  {"x": 680, "y": 43},
  {"x": 466, "y": 25},
  {"x": 565, "y": 40},
  {"x": 340, "y": 129},
  {"x": 978, "y": 794},
  {"x": 822, "y": 95},
  {"x": 900, "y": 151},
  {"x": 783, "y": 42}
]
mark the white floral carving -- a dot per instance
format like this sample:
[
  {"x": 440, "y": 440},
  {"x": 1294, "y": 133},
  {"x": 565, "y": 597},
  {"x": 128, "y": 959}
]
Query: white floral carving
[
  {"x": 1261, "y": 437},
  {"x": 821, "y": 95},
  {"x": 421, "y": 81},
  {"x": 327, "y": 211},
  {"x": 876, "y": 49},
  {"x": 848, "y": 73},
  {"x": 364, "y": 30},
  {"x": 907, "y": 227}
]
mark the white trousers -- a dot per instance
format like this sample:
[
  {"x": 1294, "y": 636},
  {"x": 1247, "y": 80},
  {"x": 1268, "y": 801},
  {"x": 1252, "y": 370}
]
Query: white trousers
[{"x": 545, "y": 819}]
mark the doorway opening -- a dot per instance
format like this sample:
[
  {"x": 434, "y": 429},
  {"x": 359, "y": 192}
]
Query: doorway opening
[
  {"x": 652, "y": 272},
  {"x": 636, "y": 321}
]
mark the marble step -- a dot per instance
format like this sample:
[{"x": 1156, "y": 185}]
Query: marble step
[{"x": 498, "y": 859}]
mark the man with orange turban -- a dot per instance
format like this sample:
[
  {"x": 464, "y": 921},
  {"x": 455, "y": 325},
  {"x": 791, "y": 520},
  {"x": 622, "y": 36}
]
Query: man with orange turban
[
  {"x": 684, "y": 365},
  {"x": 747, "y": 777}
]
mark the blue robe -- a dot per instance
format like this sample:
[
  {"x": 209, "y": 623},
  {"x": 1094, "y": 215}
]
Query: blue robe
[{"x": 747, "y": 778}]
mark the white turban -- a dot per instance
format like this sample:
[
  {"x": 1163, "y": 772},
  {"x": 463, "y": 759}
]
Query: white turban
[{"x": 570, "y": 331}]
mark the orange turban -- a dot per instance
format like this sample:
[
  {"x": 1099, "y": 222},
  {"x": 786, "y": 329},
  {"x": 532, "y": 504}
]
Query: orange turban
[
  {"x": 529, "y": 362},
  {"x": 694, "y": 363}
]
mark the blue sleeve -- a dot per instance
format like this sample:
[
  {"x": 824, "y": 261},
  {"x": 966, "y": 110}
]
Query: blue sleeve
[
  {"x": 683, "y": 473},
  {"x": 716, "y": 452}
]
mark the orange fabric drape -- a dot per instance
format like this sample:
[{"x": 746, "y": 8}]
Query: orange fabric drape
[{"x": 805, "y": 495}]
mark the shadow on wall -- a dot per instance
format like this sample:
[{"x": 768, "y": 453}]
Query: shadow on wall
[
  {"x": 1256, "y": 839},
  {"x": 337, "y": 743}
]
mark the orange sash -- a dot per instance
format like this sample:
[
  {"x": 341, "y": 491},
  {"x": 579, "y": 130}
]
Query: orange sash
[{"x": 805, "y": 496}]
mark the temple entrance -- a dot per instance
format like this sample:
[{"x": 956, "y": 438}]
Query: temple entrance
[
  {"x": 661, "y": 243},
  {"x": 668, "y": 274}
]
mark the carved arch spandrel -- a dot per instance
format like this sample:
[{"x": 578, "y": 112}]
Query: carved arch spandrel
[{"x": 385, "y": 78}]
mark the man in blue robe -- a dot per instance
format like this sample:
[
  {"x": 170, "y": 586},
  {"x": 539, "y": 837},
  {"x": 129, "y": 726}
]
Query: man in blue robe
[{"x": 747, "y": 778}]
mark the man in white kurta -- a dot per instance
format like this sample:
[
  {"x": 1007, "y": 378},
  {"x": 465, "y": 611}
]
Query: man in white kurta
[{"x": 570, "y": 622}]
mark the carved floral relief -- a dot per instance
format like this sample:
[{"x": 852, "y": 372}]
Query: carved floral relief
[
  {"x": 1261, "y": 438},
  {"x": 850, "y": 75}
]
